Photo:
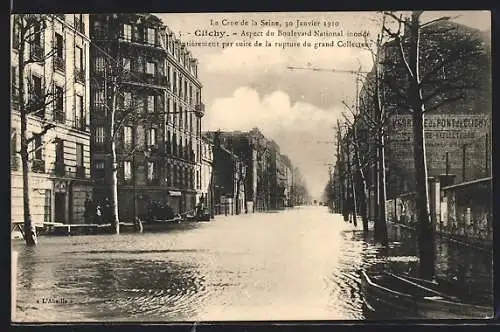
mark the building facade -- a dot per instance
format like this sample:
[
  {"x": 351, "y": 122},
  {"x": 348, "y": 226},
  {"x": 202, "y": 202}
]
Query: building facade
[
  {"x": 457, "y": 121},
  {"x": 56, "y": 83},
  {"x": 158, "y": 122},
  {"x": 207, "y": 179},
  {"x": 267, "y": 173}
]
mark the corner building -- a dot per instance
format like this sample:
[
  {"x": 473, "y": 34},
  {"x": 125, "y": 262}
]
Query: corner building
[{"x": 158, "y": 149}]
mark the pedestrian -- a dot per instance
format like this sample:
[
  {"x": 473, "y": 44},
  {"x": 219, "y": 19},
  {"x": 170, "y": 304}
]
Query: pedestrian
[
  {"x": 99, "y": 214},
  {"x": 138, "y": 225}
]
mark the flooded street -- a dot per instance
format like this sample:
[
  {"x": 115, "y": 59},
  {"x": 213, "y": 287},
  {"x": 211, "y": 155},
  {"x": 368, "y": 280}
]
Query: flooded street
[{"x": 301, "y": 263}]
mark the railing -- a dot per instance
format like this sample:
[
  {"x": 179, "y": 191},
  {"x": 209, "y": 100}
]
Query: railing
[
  {"x": 80, "y": 172},
  {"x": 59, "y": 169},
  {"x": 59, "y": 63},
  {"x": 59, "y": 116},
  {"x": 80, "y": 75},
  {"x": 146, "y": 78},
  {"x": 38, "y": 166},
  {"x": 36, "y": 52}
]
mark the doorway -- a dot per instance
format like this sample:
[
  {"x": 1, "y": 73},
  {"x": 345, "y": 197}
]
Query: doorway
[{"x": 60, "y": 207}]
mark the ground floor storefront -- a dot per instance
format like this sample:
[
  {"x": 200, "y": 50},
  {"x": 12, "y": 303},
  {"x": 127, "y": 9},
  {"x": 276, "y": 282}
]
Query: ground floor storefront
[
  {"x": 137, "y": 201},
  {"x": 60, "y": 200}
]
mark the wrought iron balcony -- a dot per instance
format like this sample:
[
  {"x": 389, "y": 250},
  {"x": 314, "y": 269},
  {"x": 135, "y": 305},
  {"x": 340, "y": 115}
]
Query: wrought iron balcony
[
  {"x": 59, "y": 168},
  {"x": 80, "y": 75},
  {"x": 59, "y": 63},
  {"x": 200, "y": 109},
  {"x": 80, "y": 172},
  {"x": 36, "y": 52},
  {"x": 38, "y": 166}
]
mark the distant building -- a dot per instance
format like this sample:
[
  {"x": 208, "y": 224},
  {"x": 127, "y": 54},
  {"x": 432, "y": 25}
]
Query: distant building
[
  {"x": 268, "y": 177},
  {"x": 59, "y": 161},
  {"x": 205, "y": 176},
  {"x": 159, "y": 147}
]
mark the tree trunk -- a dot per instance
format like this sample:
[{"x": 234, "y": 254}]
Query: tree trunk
[
  {"x": 424, "y": 226},
  {"x": 382, "y": 227},
  {"x": 377, "y": 196},
  {"x": 114, "y": 168},
  {"x": 363, "y": 193},
  {"x": 425, "y": 232},
  {"x": 352, "y": 187},
  {"x": 29, "y": 228}
]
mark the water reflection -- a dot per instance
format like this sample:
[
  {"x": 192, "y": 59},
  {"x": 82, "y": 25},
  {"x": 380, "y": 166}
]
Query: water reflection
[{"x": 298, "y": 264}]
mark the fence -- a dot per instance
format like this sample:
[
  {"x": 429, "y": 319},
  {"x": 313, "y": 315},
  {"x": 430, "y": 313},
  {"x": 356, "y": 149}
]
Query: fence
[{"x": 461, "y": 211}]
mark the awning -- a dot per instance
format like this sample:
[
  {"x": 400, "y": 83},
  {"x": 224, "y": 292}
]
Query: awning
[{"x": 175, "y": 193}]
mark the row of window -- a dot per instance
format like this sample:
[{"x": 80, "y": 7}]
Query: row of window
[
  {"x": 174, "y": 175},
  {"x": 40, "y": 99},
  {"x": 36, "y": 148},
  {"x": 36, "y": 48},
  {"x": 180, "y": 85},
  {"x": 176, "y": 115},
  {"x": 151, "y": 36}
]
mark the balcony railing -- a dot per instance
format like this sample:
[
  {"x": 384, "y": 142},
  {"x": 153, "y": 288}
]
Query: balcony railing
[
  {"x": 200, "y": 109},
  {"x": 59, "y": 169},
  {"x": 146, "y": 78},
  {"x": 59, "y": 63},
  {"x": 36, "y": 52},
  {"x": 38, "y": 166},
  {"x": 59, "y": 116},
  {"x": 80, "y": 75},
  {"x": 80, "y": 124},
  {"x": 80, "y": 172}
]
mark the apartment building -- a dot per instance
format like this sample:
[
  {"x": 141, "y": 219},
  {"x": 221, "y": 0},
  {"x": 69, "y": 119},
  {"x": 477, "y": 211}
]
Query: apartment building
[
  {"x": 159, "y": 97},
  {"x": 56, "y": 85}
]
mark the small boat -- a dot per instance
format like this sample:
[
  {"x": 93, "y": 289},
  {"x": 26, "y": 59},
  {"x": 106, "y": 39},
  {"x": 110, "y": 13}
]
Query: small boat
[
  {"x": 399, "y": 297},
  {"x": 159, "y": 225}
]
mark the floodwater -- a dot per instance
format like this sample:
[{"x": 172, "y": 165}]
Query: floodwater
[{"x": 298, "y": 264}]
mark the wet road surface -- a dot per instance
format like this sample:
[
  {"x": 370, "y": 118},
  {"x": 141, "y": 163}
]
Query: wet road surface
[{"x": 298, "y": 264}]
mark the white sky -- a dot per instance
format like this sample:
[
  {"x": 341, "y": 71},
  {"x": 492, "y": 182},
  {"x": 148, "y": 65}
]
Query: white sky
[{"x": 248, "y": 87}]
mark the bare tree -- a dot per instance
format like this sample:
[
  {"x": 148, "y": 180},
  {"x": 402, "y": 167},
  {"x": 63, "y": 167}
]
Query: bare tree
[
  {"x": 426, "y": 51},
  {"x": 372, "y": 115},
  {"x": 32, "y": 98},
  {"x": 363, "y": 158},
  {"x": 120, "y": 112}
]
